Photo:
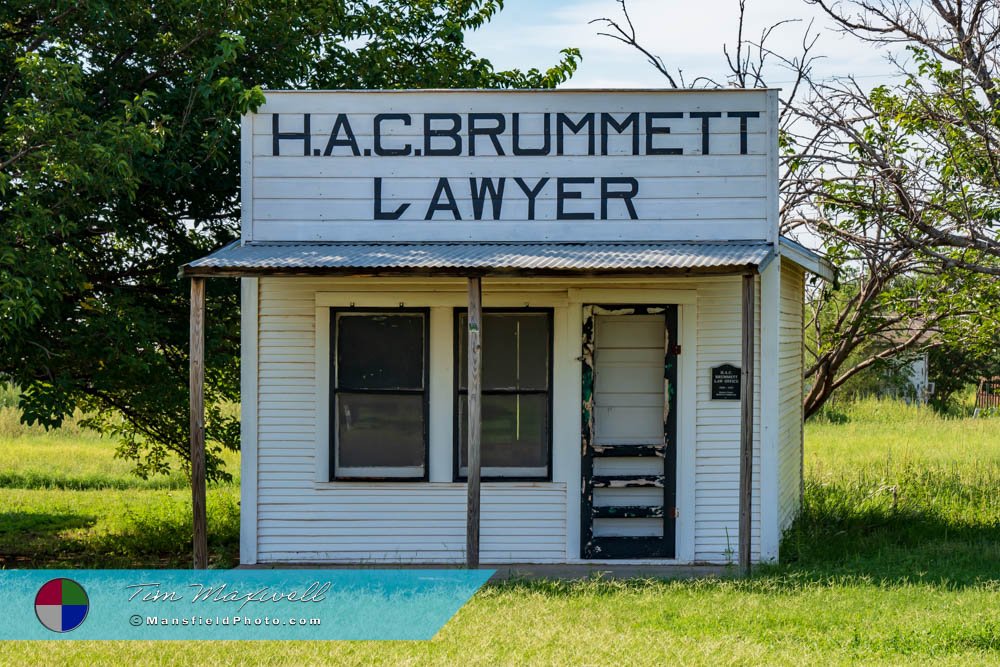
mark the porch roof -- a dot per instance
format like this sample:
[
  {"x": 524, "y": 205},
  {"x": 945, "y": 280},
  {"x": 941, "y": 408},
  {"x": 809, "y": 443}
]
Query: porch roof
[{"x": 484, "y": 258}]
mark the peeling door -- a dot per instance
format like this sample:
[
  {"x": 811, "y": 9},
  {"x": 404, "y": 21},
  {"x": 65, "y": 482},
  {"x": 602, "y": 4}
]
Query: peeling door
[{"x": 629, "y": 426}]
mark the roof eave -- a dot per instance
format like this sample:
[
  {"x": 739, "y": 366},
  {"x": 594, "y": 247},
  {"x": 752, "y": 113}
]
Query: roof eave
[
  {"x": 807, "y": 259},
  {"x": 187, "y": 271}
]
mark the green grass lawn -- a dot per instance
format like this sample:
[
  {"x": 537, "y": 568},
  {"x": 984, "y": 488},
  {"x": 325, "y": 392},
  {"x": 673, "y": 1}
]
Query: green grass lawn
[
  {"x": 65, "y": 501},
  {"x": 895, "y": 559}
]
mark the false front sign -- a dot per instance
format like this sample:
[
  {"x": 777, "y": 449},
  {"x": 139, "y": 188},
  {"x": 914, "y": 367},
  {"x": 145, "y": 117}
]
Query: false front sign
[{"x": 527, "y": 165}]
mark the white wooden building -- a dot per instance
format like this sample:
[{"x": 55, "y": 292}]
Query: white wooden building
[{"x": 613, "y": 237}]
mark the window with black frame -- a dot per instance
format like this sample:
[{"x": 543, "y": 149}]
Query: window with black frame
[
  {"x": 379, "y": 394},
  {"x": 516, "y": 407}
]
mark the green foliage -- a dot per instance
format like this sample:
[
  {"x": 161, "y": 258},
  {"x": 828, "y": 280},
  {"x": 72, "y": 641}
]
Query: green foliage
[
  {"x": 119, "y": 162},
  {"x": 888, "y": 310},
  {"x": 908, "y": 203},
  {"x": 955, "y": 367}
]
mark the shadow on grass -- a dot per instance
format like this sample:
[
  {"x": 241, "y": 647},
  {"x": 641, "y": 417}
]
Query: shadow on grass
[
  {"x": 154, "y": 536},
  {"x": 892, "y": 546},
  {"x": 23, "y": 525},
  {"x": 28, "y": 538},
  {"x": 164, "y": 540},
  {"x": 942, "y": 535}
]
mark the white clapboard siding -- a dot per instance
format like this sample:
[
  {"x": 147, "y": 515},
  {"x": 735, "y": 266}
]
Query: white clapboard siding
[
  {"x": 325, "y": 190},
  {"x": 405, "y": 189},
  {"x": 527, "y": 167},
  {"x": 513, "y": 207},
  {"x": 790, "y": 389},
  {"x": 717, "y": 479},
  {"x": 406, "y": 522},
  {"x": 510, "y": 101},
  {"x": 300, "y": 520},
  {"x": 353, "y": 522}
]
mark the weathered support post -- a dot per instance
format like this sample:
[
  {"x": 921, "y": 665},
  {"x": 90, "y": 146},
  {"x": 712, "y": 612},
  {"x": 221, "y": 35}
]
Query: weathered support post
[
  {"x": 746, "y": 424},
  {"x": 197, "y": 401},
  {"x": 475, "y": 319}
]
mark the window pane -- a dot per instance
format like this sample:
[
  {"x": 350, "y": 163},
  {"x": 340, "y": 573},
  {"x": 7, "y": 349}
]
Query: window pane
[
  {"x": 380, "y": 431},
  {"x": 514, "y": 431},
  {"x": 533, "y": 351},
  {"x": 515, "y": 351},
  {"x": 380, "y": 351}
]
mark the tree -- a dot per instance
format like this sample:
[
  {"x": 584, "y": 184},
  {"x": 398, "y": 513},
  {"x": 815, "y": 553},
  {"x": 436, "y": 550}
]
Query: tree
[
  {"x": 898, "y": 183},
  {"x": 119, "y": 160},
  {"x": 943, "y": 173},
  {"x": 909, "y": 193}
]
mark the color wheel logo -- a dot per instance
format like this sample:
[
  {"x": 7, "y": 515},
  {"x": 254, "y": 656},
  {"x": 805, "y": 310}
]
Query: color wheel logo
[{"x": 61, "y": 605}]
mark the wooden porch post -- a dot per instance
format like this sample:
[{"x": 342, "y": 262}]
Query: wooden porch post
[
  {"x": 746, "y": 424},
  {"x": 197, "y": 401},
  {"x": 475, "y": 319}
]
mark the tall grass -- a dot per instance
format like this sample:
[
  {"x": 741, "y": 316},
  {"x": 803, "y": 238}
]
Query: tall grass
[
  {"x": 8, "y": 396},
  {"x": 11, "y": 425},
  {"x": 73, "y": 457},
  {"x": 898, "y": 491}
]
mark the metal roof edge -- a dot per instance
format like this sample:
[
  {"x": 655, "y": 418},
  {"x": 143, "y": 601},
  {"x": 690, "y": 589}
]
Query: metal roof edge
[
  {"x": 237, "y": 258},
  {"x": 186, "y": 270},
  {"x": 808, "y": 259}
]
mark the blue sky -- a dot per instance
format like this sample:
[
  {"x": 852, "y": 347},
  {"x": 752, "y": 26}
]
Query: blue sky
[{"x": 687, "y": 34}]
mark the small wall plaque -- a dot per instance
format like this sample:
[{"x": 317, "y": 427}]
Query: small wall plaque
[{"x": 726, "y": 383}]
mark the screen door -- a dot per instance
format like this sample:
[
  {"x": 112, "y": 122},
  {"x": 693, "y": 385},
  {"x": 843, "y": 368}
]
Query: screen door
[{"x": 629, "y": 426}]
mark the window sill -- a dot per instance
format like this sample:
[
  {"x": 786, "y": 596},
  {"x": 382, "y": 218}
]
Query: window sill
[{"x": 386, "y": 484}]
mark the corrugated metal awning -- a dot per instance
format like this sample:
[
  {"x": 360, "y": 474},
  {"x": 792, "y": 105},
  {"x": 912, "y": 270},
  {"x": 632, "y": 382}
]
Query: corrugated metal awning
[{"x": 483, "y": 258}]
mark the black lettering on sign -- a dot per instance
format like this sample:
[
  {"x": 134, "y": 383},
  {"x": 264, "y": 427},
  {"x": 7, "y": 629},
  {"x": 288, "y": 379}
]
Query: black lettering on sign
[
  {"x": 379, "y": 150},
  {"x": 277, "y": 137},
  {"x": 386, "y": 215},
  {"x": 625, "y": 195},
  {"x": 443, "y": 188},
  {"x": 705, "y": 115},
  {"x": 479, "y": 196},
  {"x": 743, "y": 115},
  {"x": 562, "y": 195},
  {"x": 726, "y": 380},
  {"x": 608, "y": 121},
  {"x": 653, "y": 130},
  {"x": 451, "y": 133},
  {"x": 546, "y": 137},
  {"x": 563, "y": 121},
  {"x": 493, "y": 132},
  {"x": 341, "y": 125},
  {"x": 531, "y": 193}
]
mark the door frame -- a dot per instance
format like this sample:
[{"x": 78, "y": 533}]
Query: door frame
[{"x": 665, "y": 547}]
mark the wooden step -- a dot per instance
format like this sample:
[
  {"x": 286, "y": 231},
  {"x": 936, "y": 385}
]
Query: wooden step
[
  {"x": 628, "y": 512},
  {"x": 627, "y": 481},
  {"x": 628, "y": 450},
  {"x": 628, "y": 547}
]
